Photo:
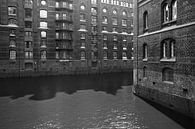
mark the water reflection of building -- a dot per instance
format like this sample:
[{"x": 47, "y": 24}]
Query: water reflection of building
[
  {"x": 57, "y": 35},
  {"x": 164, "y": 53}
]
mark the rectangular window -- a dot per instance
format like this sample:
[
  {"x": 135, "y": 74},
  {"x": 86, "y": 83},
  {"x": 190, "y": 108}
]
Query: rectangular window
[
  {"x": 115, "y": 38},
  {"x": 12, "y": 11},
  {"x": 57, "y": 16},
  {"x": 115, "y": 55},
  {"x": 104, "y": 28},
  {"x": 64, "y": 4},
  {"x": 70, "y": 6},
  {"x": 105, "y": 37},
  {"x": 12, "y": 43},
  {"x": 43, "y": 24},
  {"x": 82, "y": 44},
  {"x": 28, "y": 44},
  {"x": 114, "y": 21},
  {"x": 12, "y": 21},
  {"x": 83, "y": 27},
  {"x": 28, "y": 13},
  {"x": 124, "y": 22},
  {"x": 28, "y": 34},
  {"x": 28, "y": 24},
  {"x": 28, "y": 55},
  {"x": 82, "y": 17},
  {"x": 83, "y": 36},
  {"x": 43, "y": 34},
  {"x": 43, "y": 54},
  {"x": 43, "y": 14},
  {"x": 43, "y": 43},
  {"x": 57, "y": 55},
  {"x": 57, "y": 4},
  {"x": 12, "y": 55},
  {"x": 93, "y": 1},
  {"x": 93, "y": 19},
  {"x": 64, "y": 16},
  {"x": 105, "y": 20}
]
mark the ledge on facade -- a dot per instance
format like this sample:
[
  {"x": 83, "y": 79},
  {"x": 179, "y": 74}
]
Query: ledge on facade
[
  {"x": 65, "y": 60},
  {"x": 104, "y": 31},
  {"x": 9, "y": 25},
  {"x": 124, "y": 48},
  {"x": 82, "y": 47},
  {"x": 168, "y": 60},
  {"x": 44, "y": 28},
  {"x": 115, "y": 48},
  {"x": 169, "y": 28},
  {"x": 124, "y": 58},
  {"x": 82, "y": 20}
]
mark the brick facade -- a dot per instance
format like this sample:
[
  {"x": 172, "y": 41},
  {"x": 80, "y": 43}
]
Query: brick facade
[
  {"x": 32, "y": 59},
  {"x": 150, "y": 70}
]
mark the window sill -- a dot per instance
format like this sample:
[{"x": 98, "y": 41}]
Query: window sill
[
  {"x": 169, "y": 23},
  {"x": 82, "y": 20},
  {"x": 145, "y": 59},
  {"x": 145, "y": 30},
  {"x": 168, "y": 82},
  {"x": 168, "y": 60}
]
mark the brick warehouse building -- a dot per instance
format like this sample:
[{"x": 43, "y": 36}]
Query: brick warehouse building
[
  {"x": 164, "y": 65},
  {"x": 57, "y": 36}
]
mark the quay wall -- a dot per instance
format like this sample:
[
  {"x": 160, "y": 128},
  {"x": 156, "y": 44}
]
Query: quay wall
[{"x": 75, "y": 67}]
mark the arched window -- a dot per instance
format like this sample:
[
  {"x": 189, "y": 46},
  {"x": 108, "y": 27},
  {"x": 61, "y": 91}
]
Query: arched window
[
  {"x": 82, "y": 7},
  {"x": 165, "y": 12},
  {"x": 167, "y": 75},
  {"x": 145, "y": 51},
  {"x": 145, "y": 21},
  {"x": 104, "y": 10},
  {"x": 174, "y": 10},
  {"x": 124, "y": 13},
  {"x": 144, "y": 72},
  {"x": 168, "y": 49},
  {"x": 115, "y": 12},
  {"x": 43, "y": 2}
]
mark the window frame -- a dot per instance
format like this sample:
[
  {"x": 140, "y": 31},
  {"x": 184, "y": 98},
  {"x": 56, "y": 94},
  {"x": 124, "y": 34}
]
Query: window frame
[
  {"x": 168, "y": 52},
  {"x": 145, "y": 21},
  {"x": 168, "y": 75}
]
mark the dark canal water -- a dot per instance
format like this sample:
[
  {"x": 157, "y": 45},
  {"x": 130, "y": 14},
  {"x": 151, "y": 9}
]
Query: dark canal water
[{"x": 77, "y": 102}]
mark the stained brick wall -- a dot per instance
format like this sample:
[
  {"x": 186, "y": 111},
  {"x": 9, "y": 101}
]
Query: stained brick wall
[{"x": 182, "y": 33}]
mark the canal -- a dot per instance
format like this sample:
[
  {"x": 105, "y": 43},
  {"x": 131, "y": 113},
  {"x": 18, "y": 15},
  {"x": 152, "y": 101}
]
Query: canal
[{"x": 77, "y": 102}]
